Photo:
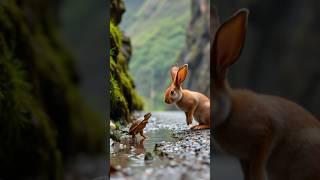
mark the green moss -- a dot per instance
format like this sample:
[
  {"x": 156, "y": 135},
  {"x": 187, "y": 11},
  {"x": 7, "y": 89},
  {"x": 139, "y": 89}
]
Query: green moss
[
  {"x": 25, "y": 131},
  {"x": 123, "y": 97},
  {"x": 115, "y": 35},
  {"x": 119, "y": 105},
  {"x": 43, "y": 119},
  {"x": 118, "y": 125},
  {"x": 115, "y": 40}
]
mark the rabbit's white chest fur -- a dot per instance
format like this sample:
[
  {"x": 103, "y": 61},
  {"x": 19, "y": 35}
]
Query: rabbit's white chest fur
[{"x": 178, "y": 107}]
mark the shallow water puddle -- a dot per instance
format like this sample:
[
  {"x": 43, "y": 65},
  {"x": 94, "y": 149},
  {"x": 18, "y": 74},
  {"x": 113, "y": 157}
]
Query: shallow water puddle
[{"x": 131, "y": 152}]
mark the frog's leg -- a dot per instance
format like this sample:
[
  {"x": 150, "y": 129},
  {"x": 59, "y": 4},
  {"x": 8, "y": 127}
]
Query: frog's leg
[{"x": 141, "y": 133}]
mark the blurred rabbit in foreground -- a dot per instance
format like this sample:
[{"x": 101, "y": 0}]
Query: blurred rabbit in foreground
[{"x": 271, "y": 136}]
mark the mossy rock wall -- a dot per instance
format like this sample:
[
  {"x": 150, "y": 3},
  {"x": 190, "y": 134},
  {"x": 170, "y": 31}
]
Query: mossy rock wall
[
  {"x": 123, "y": 96},
  {"x": 43, "y": 119}
]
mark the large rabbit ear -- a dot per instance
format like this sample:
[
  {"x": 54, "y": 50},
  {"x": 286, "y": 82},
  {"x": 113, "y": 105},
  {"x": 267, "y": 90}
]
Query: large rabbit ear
[
  {"x": 173, "y": 71},
  {"x": 229, "y": 41},
  {"x": 181, "y": 74}
]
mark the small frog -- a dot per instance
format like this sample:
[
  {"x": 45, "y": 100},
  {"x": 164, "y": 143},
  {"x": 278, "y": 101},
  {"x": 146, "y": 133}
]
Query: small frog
[{"x": 138, "y": 125}]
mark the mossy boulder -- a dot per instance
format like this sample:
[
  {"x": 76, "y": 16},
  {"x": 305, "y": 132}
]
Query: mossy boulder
[
  {"x": 43, "y": 119},
  {"x": 123, "y": 96}
]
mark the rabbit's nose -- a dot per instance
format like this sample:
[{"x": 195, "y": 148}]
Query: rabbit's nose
[{"x": 166, "y": 100}]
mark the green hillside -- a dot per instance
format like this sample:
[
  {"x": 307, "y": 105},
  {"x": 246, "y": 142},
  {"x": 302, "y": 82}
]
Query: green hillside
[{"x": 158, "y": 30}]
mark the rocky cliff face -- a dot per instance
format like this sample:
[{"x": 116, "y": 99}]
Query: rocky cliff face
[
  {"x": 157, "y": 29},
  {"x": 281, "y": 54},
  {"x": 196, "y": 51},
  {"x": 43, "y": 119},
  {"x": 123, "y": 97}
]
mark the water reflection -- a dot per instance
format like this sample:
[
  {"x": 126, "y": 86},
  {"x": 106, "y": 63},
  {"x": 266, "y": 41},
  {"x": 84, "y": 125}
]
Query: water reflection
[
  {"x": 139, "y": 147},
  {"x": 130, "y": 152}
]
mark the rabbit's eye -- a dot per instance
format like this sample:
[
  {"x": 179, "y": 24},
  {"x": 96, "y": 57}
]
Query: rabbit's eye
[{"x": 172, "y": 92}]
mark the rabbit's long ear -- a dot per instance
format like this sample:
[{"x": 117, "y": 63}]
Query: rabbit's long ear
[
  {"x": 229, "y": 41},
  {"x": 181, "y": 74},
  {"x": 173, "y": 71}
]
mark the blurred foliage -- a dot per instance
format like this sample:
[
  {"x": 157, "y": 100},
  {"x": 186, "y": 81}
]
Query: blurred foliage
[
  {"x": 123, "y": 97},
  {"x": 158, "y": 32},
  {"x": 43, "y": 119}
]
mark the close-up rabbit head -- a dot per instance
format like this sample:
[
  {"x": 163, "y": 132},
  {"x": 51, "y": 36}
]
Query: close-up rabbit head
[{"x": 174, "y": 92}]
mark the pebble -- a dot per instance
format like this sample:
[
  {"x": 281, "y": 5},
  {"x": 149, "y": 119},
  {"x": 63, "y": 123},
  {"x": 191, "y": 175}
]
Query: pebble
[
  {"x": 148, "y": 156},
  {"x": 112, "y": 126},
  {"x": 121, "y": 146},
  {"x": 173, "y": 163}
]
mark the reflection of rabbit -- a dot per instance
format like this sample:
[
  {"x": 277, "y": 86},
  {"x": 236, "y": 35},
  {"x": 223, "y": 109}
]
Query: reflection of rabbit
[
  {"x": 194, "y": 104},
  {"x": 267, "y": 134}
]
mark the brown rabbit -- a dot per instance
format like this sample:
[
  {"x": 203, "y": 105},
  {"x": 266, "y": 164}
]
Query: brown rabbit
[
  {"x": 194, "y": 104},
  {"x": 271, "y": 136}
]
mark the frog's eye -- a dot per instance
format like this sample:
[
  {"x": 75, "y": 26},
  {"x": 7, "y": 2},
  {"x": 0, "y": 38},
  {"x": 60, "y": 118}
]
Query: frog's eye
[{"x": 172, "y": 92}]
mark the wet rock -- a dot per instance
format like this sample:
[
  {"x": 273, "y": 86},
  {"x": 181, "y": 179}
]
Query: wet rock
[
  {"x": 156, "y": 146},
  {"x": 171, "y": 157},
  {"x": 121, "y": 146},
  {"x": 116, "y": 135},
  {"x": 148, "y": 156},
  {"x": 125, "y": 130},
  {"x": 161, "y": 154},
  {"x": 112, "y": 126}
]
